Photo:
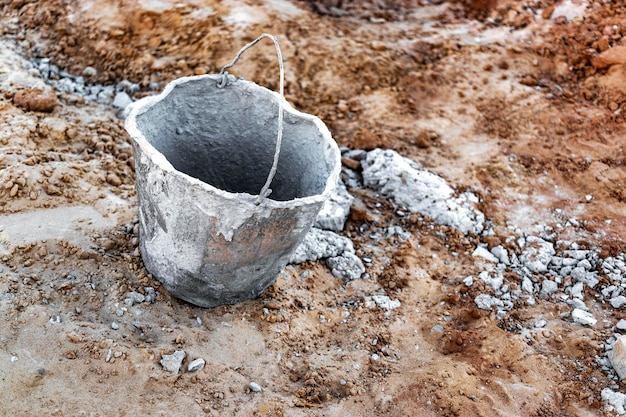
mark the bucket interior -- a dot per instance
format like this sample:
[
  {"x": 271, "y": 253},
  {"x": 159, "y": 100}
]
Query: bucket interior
[{"x": 226, "y": 137}]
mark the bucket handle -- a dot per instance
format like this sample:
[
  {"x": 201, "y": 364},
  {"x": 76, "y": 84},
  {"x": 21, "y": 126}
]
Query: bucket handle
[{"x": 265, "y": 191}]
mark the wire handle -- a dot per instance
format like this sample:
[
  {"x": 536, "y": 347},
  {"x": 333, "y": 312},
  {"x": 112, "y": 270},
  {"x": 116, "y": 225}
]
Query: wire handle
[{"x": 266, "y": 191}]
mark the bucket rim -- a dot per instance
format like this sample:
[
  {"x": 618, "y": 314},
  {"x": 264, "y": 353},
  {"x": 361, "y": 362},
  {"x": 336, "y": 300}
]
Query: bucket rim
[{"x": 143, "y": 105}]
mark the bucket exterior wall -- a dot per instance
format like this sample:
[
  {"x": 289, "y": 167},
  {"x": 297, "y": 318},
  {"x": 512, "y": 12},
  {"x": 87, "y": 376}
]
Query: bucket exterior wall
[{"x": 208, "y": 246}]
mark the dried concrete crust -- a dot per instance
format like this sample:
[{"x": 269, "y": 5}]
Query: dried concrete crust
[{"x": 198, "y": 166}]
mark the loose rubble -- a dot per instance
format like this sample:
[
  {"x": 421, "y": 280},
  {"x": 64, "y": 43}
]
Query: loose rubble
[
  {"x": 420, "y": 191},
  {"x": 173, "y": 362},
  {"x": 196, "y": 365}
]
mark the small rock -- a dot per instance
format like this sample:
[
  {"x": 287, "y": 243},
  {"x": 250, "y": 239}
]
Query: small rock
[
  {"x": 621, "y": 325},
  {"x": 494, "y": 282},
  {"x": 549, "y": 286},
  {"x": 320, "y": 244},
  {"x": 196, "y": 365},
  {"x": 617, "y": 357},
  {"x": 527, "y": 285},
  {"x": 347, "y": 266},
  {"x": 173, "y": 362},
  {"x": 437, "y": 328},
  {"x": 616, "y": 400},
  {"x": 121, "y": 100},
  {"x": 135, "y": 298},
  {"x": 469, "y": 281},
  {"x": 618, "y": 302},
  {"x": 336, "y": 209},
  {"x": 36, "y": 99},
  {"x": 583, "y": 317},
  {"x": 485, "y": 254},
  {"x": 485, "y": 302},
  {"x": 150, "y": 294},
  {"x": 254, "y": 387},
  {"x": 501, "y": 253},
  {"x": 537, "y": 254},
  {"x": 384, "y": 302},
  {"x": 115, "y": 326}
]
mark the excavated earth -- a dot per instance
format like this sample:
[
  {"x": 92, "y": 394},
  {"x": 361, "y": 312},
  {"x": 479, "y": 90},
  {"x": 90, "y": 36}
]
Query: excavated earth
[{"x": 505, "y": 99}]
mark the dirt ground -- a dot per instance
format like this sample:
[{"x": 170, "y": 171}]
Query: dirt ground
[{"x": 504, "y": 98}]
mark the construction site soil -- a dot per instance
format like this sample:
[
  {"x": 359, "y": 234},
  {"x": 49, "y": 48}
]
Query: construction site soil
[{"x": 516, "y": 101}]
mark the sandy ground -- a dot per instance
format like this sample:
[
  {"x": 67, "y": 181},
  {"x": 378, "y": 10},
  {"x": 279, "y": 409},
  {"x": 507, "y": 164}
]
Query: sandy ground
[{"x": 505, "y": 99}]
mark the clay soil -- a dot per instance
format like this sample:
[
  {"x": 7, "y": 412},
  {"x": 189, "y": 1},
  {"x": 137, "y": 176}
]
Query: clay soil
[{"x": 498, "y": 97}]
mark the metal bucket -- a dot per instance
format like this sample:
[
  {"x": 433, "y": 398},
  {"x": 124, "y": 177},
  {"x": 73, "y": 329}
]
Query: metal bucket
[{"x": 203, "y": 149}]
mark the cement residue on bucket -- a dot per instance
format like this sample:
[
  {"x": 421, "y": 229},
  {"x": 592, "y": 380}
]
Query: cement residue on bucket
[{"x": 203, "y": 149}]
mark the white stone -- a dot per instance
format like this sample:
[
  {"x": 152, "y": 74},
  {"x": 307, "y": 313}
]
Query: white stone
[
  {"x": 616, "y": 400},
  {"x": 618, "y": 302},
  {"x": 335, "y": 210},
  {"x": 384, "y": 302},
  {"x": 617, "y": 357},
  {"x": 527, "y": 285},
  {"x": 485, "y": 254},
  {"x": 469, "y": 281},
  {"x": 494, "y": 281},
  {"x": 121, "y": 100},
  {"x": 583, "y": 317},
  {"x": 173, "y": 362},
  {"x": 577, "y": 290},
  {"x": 548, "y": 286},
  {"x": 420, "y": 191},
  {"x": 347, "y": 266},
  {"x": 320, "y": 244},
  {"x": 196, "y": 365},
  {"x": 485, "y": 302},
  {"x": 621, "y": 325},
  {"x": 254, "y": 387},
  {"x": 537, "y": 254},
  {"x": 501, "y": 253}
]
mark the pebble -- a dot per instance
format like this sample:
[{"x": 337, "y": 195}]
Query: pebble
[
  {"x": 494, "y": 281},
  {"x": 384, "y": 302},
  {"x": 549, "y": 286},
  {"x": 501, "y": 253},
  {"x": 583, "y": 317},
  {"x": 537, "y": 254},
  {"x": 115, "y": 326},
  {"x": 254, "y": 387},
  {"x": 348, "y": 266},
  {"x": 621, "y": 325},
  {"x": 486, "y": 301},
  {"x": 618, "y": 302},
  {"x": 196, "y": 365},
  {"x": 616, "y": 400},
  {"x": 469, "y": 281},
  {"x": 320, "y": 244},
  {"x": 173, "y": 362},
  {"x": 617, "y": 357},
  {"x": 134, "y": 297},
  {"x": 121, "y": 100},
  {"x": 485, "y": 254}
]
